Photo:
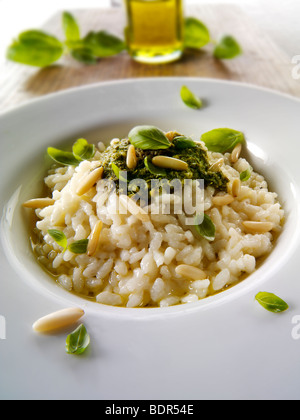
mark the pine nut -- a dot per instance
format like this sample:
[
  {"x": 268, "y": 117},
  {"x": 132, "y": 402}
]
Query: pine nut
[
  {"x": 114, "y": 141},
  {"x": 190, "y": 272},
  {"x": 39, "y": 203},
  {"x": 217, "y": 165},
  {"x": 170, "y": 163},
  {"x": 171, "y": 134},
  {"x": 131, "y": 160},
  {"x": 235, "y": 154},
  {"x": 89, "y": 181},
  {"x": 236, "y": 187},
  {"x": 258, "y": 227},
  {"x": 222, "y": 200},
  {"x": 94, "y": 238},
  {"x": 133, "y": 208},
  {"x": 58, "y": 320}
]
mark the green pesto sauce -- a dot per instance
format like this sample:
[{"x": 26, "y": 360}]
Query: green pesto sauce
[{"x": 196, "y": 157}]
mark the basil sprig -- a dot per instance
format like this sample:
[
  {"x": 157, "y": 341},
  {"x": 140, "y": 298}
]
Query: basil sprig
[
  {"x": 78, "y": 341},
  {"x": 222, "y": 140},
  {"x": 36, "y": 48},
  {"x": 227, "y": 48},
  {"x": 81, "y": 150},
  {"x": 147, "y": 137},
  {"x": 206, "y": 228},
  {"x": 271, "y": 302},
  {"x": 77, "y": 247},
  {"x": 190, "y": 99}
]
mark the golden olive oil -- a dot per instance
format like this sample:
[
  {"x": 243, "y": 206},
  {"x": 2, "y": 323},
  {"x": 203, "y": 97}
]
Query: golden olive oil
[{"x": 155, "y": 30}]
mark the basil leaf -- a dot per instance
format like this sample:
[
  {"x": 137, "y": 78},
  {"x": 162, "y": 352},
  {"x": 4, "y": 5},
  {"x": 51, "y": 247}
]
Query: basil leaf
[
  {"x": 82, "y": 150},
  {"x": 245, "y": 175},
  {"x": 35, "y": 48},
  {"x": 196, "y": 34},
  {"x": 182, "y": 142},
  {"x": 190, "y": 99},
  {"x": 155, "y": 170},
  {"x": 79, "y": 247},
  {"x": 222, "y": 140},
  {"x": 70, "y": 27},
  {"x": 147, "y": 137},
  {"x": 271, "y": 302},
  {"x": 206, "y": 228},
  {"x": 59, "y": 237},
  {"x": 118, "y": 173},
  {"x": 62, "y": 157},
  {"x": 116, "y": 170},
  {"x": 78, "y": 341},
  {"x": 227, "y": 48},
  {"x": 103, "y": 44},
  {"x": 84, "y": 55}
]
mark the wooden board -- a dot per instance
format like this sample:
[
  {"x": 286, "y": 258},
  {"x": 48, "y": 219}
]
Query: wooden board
[{"x": 263, "y": 62}]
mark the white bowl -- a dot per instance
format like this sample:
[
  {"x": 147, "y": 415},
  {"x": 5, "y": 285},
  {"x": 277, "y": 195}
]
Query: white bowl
[{"x": 101, "y": 112}]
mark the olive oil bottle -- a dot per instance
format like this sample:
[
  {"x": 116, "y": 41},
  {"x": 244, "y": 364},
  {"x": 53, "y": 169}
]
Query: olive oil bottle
[{"x": 155, "y": 30}]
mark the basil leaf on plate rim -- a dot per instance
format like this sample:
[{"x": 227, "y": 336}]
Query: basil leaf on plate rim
[
  {"x": 78, "y": 341},
  {"x": 190, "y": 99},
  {"x": 271, "y": 302}
]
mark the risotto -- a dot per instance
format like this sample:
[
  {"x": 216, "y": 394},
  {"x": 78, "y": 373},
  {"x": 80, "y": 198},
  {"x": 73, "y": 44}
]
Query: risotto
[{"x": 108, "y": 242}]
